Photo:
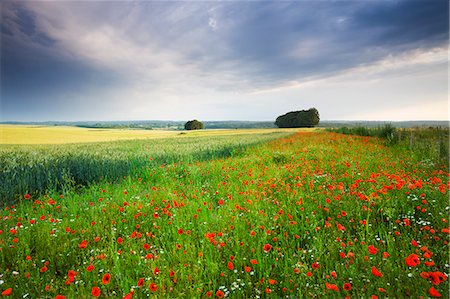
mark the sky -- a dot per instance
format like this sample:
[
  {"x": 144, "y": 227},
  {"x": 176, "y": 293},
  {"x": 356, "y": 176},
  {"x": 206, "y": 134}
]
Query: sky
[{"x": 223, "y": 60}]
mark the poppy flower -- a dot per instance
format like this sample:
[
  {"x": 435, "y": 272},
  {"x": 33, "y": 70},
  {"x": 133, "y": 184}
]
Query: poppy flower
[
  {"x": 153, "y": 287},
  {"x": 412, "y": 260},
  {"x": 27, "y": 196},
  {"x": 372, "y": 249},
  {"x": 267, "y": 248},
  {"x": 230, "y": 266},
  {"x": 347, "y": 286},
  {"x": 83, "y": 244},
  {"x": 106, "y": 279},
  {"x": 129, "y": 295},
  {"x": 375, "y": 272},
  {"x": 7, "y": 292},
  {"x": 331, "y": 286},
  {"x": 140, "y": 282},
  {"x": 437, "y": 277},
  {"x": 95, "y": 291},
  {"x": 220, "y": 294},
  {"x": 90, "y": 268},
  {"x": 434, "y": 293}
]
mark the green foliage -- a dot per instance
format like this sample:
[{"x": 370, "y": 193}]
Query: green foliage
[
  {"x": 299, "y": 119},
  {"x": 194, "y": 125}
]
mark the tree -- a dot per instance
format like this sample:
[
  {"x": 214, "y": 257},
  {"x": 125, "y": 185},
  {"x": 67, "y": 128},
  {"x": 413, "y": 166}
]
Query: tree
[
  {"x": 193, "y": 125},
  {"x": 299, "y": 119}
]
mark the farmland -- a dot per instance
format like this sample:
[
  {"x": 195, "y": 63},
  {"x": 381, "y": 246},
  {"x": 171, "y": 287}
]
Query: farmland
[{"x": 310, "y": 214}]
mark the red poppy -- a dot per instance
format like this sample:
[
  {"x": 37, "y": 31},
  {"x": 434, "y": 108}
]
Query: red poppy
[
  {"x": 267, "y": 247},
  {"x": 347, "y": 286},
  {"x": 153, "y": 287},
  {"x": 60, "y": 297},
  {"x": 437, "y": 277},
  {"x": 315, "y": 265},
  {"x": 412, "y": 260},
  {"x": 7, "y": 292},
  {"x": 331, "y": 286},
  {"x": 140, "y": 282},
  {"x": 230, "y": 266},
  {"x": 83, "y": 244},
  {"x": 95, "y": 291},
  {"x": 119, "y": 240},
  {"x": 372, "y": 249},
  {"x": 27, "y": 196},
  {"x": 90, "y": 268},
  {"x": 220, "y": 294},
  {"x": 146, "y": 246},
  {"x": 106, "y": 278},
  {"x": 434, "y": 293},
  {"x": 375, "y": 272},
  {"x": 129, "y": 295}
]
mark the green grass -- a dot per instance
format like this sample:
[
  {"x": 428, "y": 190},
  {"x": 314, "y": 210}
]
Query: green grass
[
  {"x": 35, "y": 169},
  {"x": 308, "y": 215},
  {"x": 430, "y": 145}
]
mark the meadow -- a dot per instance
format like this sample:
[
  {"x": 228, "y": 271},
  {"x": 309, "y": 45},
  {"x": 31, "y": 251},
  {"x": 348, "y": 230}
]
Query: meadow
[{"x": 311, "y": 214}]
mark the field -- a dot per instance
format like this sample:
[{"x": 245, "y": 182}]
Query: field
[
  {"x": 32, "y": 134},
  {"x": 305, "y": 214}
]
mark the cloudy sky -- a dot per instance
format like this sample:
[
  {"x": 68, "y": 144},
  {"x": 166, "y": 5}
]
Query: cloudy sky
[{"x": 224, "y": 60}]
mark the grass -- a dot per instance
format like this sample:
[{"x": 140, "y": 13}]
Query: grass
[
  {"x": 310, "y": 215},
  {"x": 430, "y": 145},
  {"x": 37, "y": 168}
]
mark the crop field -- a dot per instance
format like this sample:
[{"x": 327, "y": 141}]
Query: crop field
[
  {"x": 37, "y": 168},
  {"x": 310, "y": 214},
  {"x": 31, "y": 134}
]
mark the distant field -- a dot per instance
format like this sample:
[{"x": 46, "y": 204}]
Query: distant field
[{"x": 29, "y": 134}]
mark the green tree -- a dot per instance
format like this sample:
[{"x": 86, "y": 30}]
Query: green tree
[
  {"x": 193, "y": 125},
  {"x": 299, "y": 119}
]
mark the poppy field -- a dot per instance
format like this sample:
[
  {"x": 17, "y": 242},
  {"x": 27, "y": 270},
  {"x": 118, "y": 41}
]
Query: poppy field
[{"x": 311, "y": 215}]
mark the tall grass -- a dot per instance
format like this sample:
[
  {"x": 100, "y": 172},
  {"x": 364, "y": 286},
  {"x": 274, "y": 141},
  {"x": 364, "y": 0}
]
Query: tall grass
[
  {"x": 38, "y": 168},
  {"x": 314, "y": 215},
  {"x": 431, "y": 145}
]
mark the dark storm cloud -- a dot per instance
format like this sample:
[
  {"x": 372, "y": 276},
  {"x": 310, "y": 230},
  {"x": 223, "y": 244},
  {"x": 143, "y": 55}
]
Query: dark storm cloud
[
  {"x": 337, "y": 36},
  {"x": 151, "y": 51}
]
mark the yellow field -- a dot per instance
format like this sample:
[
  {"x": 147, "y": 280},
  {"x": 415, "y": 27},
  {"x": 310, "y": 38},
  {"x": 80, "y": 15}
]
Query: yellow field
[{"x": 27, "y": 134}]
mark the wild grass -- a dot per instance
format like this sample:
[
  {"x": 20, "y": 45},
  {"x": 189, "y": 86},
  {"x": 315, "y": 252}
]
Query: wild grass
[
  {"x": 35, "y": 169},
  {"x": 317, "y": 214},
  {"x": 430, "y": 145}
]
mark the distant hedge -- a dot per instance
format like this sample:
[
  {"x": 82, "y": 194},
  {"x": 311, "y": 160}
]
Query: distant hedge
[
  {"x": 193, "y": 125},
  {"x": 299, "y": 119}
]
